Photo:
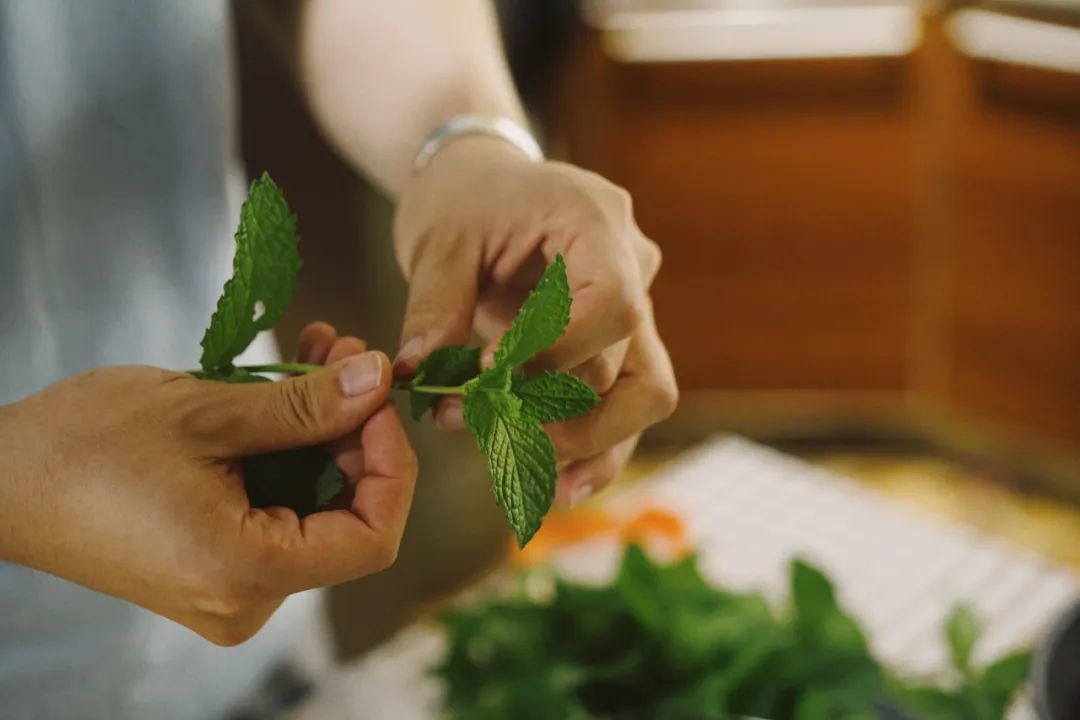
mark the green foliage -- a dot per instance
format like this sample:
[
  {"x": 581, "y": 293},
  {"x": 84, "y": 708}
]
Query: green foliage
[
  {"x": 445, "y": 366},
  {"x": 659, "y": 642},
  {"x": 541, "y": 321},
  {"x": 520, "y": 458},
  {"x": 550, "y": 397},
  {"x": 504, "y": 409},
  {"x": 264, "y": 271},
  {"x": 961, "y": 630}
]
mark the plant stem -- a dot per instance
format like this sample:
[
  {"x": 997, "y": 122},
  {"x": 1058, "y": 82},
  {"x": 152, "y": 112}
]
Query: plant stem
[
  {"x": 292, "y": 368},
  {"x": 431, "y": 389},
  {"x": 304, "y": 368}
]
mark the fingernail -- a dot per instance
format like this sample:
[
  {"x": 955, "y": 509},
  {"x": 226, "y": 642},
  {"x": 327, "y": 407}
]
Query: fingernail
[
  {"x": 409, "y": 352},
  {"x": 450, "y": 418},
  {"x": 581, "y": 493},
  {"x": 361, "y": 373},
  {"x": 488, "y": 360}
]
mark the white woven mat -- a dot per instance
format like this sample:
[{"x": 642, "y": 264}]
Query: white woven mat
[{"x": 748, "y": 510}]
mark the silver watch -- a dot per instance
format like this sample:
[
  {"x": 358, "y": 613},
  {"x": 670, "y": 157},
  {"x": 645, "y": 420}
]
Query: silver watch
[{"x": 463, "y": 125}]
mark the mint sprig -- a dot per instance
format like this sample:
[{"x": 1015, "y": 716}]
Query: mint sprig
[
  {"x": 659, "y": 641},
  {"x": 502, "y": 407},
  {"x": 264, "y": 273},
  {"x": 265, "y": 264}
]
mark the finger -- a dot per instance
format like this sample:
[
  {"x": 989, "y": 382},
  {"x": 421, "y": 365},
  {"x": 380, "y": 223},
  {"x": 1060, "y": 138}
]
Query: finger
[
  {"x": 326, "y": 548},
  {"x": 644, "y": 395},
  {"x": 347, "y": 451},
  {"x": 316, "y": 339},
  {"x": 649, "y": 258},
  {"x": 343, "y": 348},
  {"x": 582, "y": 479},
  {"x": 449, "y": 414},
  {"x": 385, "y": 491},
  {"x": 442, "y": 299},
  {"x": 609, "y": 300},
  {"x": 601, "y": 371},
  {"x": 335, "y": 546},
  {"x": 246, "y": 419}
]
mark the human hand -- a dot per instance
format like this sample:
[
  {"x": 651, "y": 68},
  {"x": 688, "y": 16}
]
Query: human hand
[
  {"x": 128, "y": 480},
  {"x": 474, "y": 230}
]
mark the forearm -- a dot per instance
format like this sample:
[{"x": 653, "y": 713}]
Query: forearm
[{"x": 380, "y": 76}]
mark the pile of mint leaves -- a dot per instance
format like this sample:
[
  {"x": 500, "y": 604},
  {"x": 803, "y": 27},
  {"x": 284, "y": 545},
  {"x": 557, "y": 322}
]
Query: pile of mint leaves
[
  {"x": 660, "y": 643},
  {"x": 503, "y": 407}
]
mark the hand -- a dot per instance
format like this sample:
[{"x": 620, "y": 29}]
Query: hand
[
  {"x": 127, "y": 480},
  {"x": 474, "y": 230}
]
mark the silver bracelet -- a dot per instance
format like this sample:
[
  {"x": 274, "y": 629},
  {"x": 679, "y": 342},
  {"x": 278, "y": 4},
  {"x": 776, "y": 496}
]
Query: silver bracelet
[{"x": 463, "y": 125}]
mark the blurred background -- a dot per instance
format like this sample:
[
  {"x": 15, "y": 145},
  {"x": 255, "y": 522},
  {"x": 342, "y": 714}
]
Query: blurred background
[{"x": 870, "y": 219}]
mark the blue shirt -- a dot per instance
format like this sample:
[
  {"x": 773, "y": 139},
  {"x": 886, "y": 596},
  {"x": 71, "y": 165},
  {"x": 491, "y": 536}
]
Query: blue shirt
[{"x": 119, "y": 190}]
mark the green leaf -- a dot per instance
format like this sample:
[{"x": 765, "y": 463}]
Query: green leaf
[
  {"x": 541, "y": 321},
  {"x": 961, "y": 632},
  {"x": 264, "y": 272},
  {"x": 520, "y": 457},
  {"x": 812, "y": 593},
  {"x": 329, "y": 483},
  {"x": 453, "y": 365},
  {"x": 549, "y": 397},
  {"x": 1000, "y": 681},
  {"x": 819, "y": 620}
]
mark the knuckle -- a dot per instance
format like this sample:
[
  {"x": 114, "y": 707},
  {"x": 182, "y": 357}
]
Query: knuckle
[
  {"x": 294, "y": 405},
  {"x": 651, "y": 259},
  {"x": 412, "y": 465},
  {"x": 665, "y": 399},
  {"x": 384, "y": 553},
  {"x": 198, "y": 415},
  {"x": 600, "y": 373},
  {"x": 629, "y": 310},
  {"x": 623, "y": 200}
]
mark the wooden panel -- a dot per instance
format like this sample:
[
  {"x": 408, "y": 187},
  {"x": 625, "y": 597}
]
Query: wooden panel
[
  {"x": 1016, "y": 355},
  {"x": 781, "y": 193}
]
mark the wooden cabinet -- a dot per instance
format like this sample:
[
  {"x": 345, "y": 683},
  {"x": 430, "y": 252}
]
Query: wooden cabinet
[{"x": 904, "y": 224}]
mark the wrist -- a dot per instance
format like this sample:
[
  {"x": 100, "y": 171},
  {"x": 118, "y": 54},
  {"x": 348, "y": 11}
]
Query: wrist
[
  {"x": 14, "y": 466},
  {"x": 461, "y": 128}
]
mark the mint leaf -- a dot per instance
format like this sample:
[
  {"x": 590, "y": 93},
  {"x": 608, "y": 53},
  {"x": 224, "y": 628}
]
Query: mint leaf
[
  {"x": 961, "y": 632},
  {"x": 520, "y": 457},
  {"x": 496, "y": 378},
  {"x": 549, "y": 397},
  {"x": 264, "y": 271},
  {"x": 452, "y": 365},
  {"x": 818, "y": 618},
  {"x": 1001, "y": 679},
  {"x": 541, "y": 321},
  {"x": 329, "y": 483}
]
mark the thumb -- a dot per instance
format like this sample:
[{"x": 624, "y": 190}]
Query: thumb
[
  {"x": 300, "y": 411},
  {"x": 442, "y": 299}
]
